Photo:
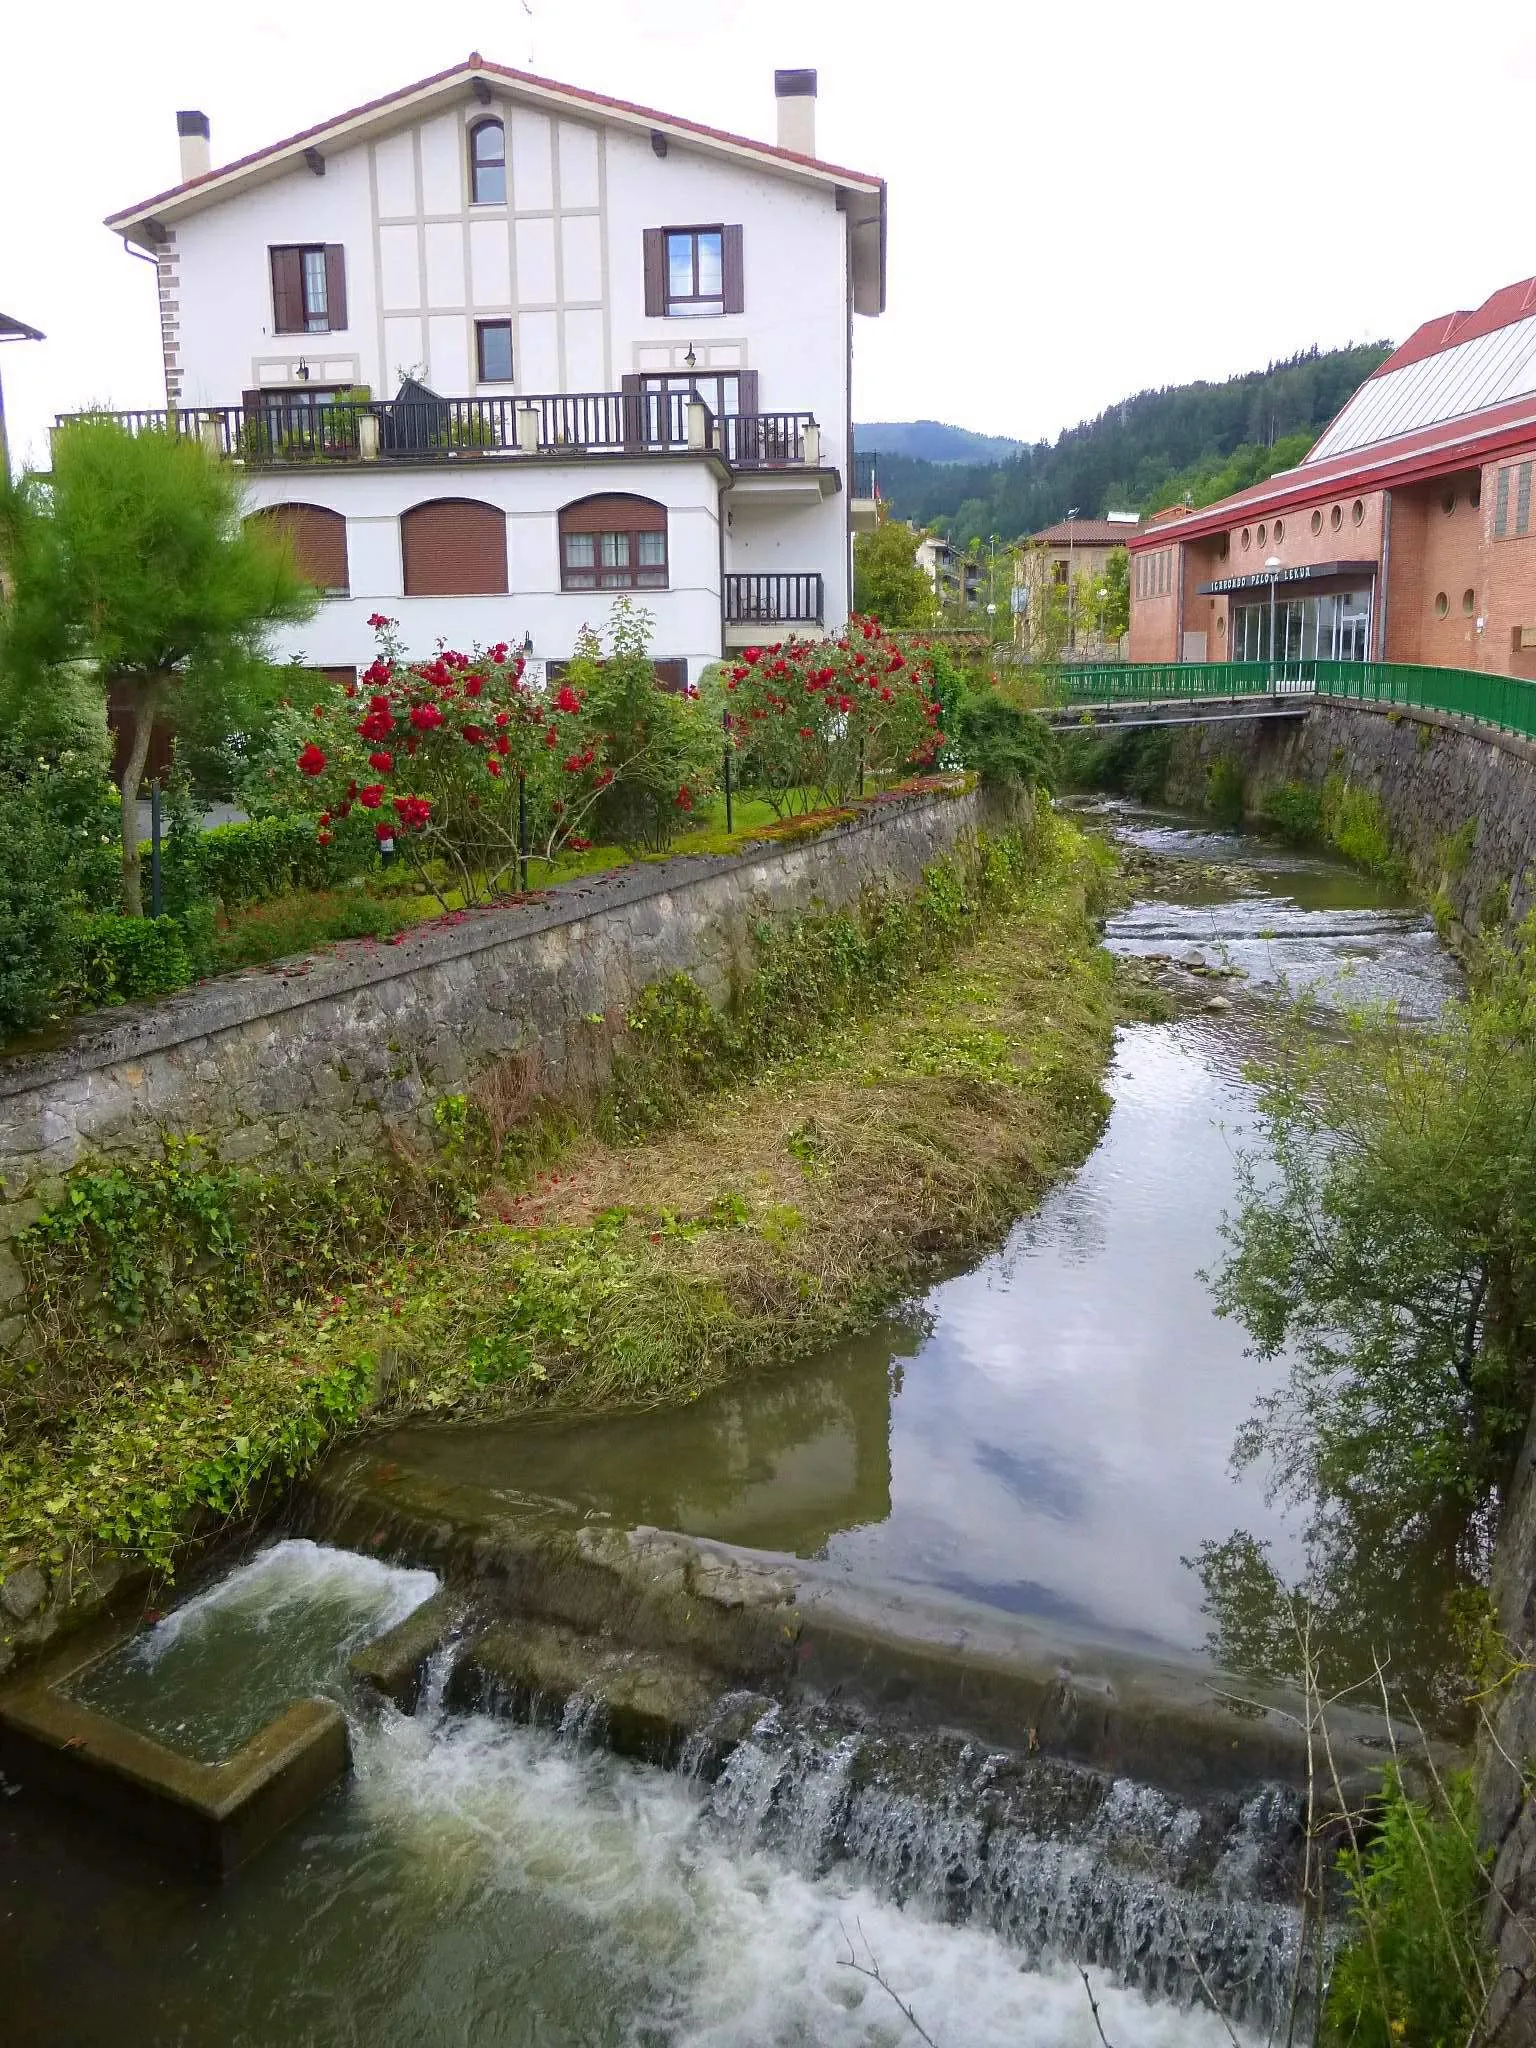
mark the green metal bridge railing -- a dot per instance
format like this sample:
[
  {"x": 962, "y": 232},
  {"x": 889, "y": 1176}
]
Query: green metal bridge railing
[{"x": 1504, "y": 701}]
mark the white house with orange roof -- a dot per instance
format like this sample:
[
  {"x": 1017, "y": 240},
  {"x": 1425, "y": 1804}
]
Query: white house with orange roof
[{"x": 497, "y": 350}]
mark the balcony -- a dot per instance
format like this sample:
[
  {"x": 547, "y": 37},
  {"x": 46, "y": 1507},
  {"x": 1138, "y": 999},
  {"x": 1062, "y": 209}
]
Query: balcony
[
  {"x": 760, "y": 607},
  {"x": 283, "y": 433},
  {"x": 864, "y": 500}
]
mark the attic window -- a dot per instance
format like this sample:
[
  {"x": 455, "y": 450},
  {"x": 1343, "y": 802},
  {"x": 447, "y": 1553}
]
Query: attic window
[{"x": 488, "y": 164}]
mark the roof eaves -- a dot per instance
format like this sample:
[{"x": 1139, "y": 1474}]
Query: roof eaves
[{"x": 650, "y": 117}]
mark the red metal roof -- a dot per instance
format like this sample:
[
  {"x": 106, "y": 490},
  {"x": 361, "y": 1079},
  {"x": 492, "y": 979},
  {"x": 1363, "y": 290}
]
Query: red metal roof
[
  {"x": 477, "y": 66},
  {"x": 1503, "y": 308},
  {"x": 1412, "y": 458}
]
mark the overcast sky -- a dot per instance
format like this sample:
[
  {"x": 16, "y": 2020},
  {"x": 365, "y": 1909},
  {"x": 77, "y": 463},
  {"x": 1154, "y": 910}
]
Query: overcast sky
[{"x": 1084, "y": 199}]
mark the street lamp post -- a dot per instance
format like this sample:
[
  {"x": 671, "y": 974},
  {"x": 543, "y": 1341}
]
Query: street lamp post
[{"x": 1273, "y": 567}]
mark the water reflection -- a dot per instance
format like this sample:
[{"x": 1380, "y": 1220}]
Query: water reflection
[{"x": 1054, "y": 1438}]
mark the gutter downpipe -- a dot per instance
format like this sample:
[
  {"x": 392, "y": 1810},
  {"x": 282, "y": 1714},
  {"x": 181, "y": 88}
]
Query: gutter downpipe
[{"x": 1380, "y": 635}]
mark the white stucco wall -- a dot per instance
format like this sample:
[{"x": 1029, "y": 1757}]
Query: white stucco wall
[
  {"x": 563, "y": 261},
  {"x": 687, "y": 613}
]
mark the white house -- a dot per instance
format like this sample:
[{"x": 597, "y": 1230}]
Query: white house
[{"x": 498, "y": 349}]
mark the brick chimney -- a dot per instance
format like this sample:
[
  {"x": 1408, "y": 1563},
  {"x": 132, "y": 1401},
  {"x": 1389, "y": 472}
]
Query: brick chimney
[
  {"x": 795, "y": 92},
  {"x": 196, "y": 149}
]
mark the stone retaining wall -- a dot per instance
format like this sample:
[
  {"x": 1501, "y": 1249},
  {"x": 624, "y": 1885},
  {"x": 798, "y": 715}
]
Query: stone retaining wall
[
  {"x": 336, "y": 1051},
  {"x": 1431, "y": 772}
]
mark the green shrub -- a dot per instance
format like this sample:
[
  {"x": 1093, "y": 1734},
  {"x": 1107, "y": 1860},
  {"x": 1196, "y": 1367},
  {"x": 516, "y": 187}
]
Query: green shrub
[
  {"x": 1225, "y": 791},
  {"x": 235, "y": 865},
  {"x": 1415, "y": 1974},
  {"x": 1134, "y": 763},
  {"x": 1008, "y": 748},
  {"x": 34, "y": 910},
  {"x": 115, "y": 959},
  {"x": 661, "y": 747},
  {"x": 1294, "y": 809}
]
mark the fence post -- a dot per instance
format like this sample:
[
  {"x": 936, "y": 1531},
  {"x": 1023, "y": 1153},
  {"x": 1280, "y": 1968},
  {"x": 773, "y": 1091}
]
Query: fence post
[
  {"x": 522, "y": 832},
  {"x": 154, "y": 846}
]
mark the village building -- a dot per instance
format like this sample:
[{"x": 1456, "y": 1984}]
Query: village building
[
  {"x": 1407, "y": 535},
  {"x": 498, "y": 350}
]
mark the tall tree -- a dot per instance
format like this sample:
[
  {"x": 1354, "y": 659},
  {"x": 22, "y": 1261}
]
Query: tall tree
[
  {"x": 888, "y": 583},
  {"x": 131, "y": 563}
]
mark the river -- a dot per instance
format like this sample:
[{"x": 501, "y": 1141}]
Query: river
[{"x": 1046, "y": 1436}]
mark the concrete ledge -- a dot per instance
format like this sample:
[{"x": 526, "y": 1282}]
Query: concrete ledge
[{"x": 208, "y": 1819}]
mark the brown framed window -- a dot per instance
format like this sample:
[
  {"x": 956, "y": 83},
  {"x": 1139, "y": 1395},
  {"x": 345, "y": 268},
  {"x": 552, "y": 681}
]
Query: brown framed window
[
  {"x": 493, "y": 351},
  {"x": 488, "y": 164},
  {"x": 309, "y": 288},
  {"x": 614, "y": 542},
  {"x": 695, "y": 270}
]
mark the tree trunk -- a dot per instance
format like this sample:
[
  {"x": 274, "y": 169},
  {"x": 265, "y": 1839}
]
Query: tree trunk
[{"x": 145, "y": 704}]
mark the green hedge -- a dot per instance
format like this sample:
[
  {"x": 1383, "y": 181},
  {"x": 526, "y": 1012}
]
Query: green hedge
[
  {"x": 116, "y": 958},
  {"x": 252, "y": 863}
]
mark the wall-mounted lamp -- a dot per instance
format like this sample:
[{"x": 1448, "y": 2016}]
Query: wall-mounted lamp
[
  {"x": 527, "y": 645},
  {"x": 691, "y": 359},
  {"x": 301, "y": 371}
]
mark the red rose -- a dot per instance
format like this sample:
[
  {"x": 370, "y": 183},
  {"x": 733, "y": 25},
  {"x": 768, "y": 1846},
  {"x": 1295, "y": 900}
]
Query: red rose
[
  {"x": 473, "y": 685},
  {"x": 384, "y": 832},
  {"x": 378, "y": 621},
  {"x": 567, "y": 701},
  {"x": 322, "y": 838},
  {"x": 503, "y": 718},
  {"x": 382, "y": 761},
  {"x": 806, "y": 733},
  {"x": 474, "y": 734},
  {"x": 425, "y": 716},
  {"x": 311, "y": 761},
  {"x": 503, "y": 744},
  {"x": 371, "y": 797}
]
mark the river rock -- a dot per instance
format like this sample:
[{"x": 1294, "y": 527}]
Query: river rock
[
  {"x": 1218, "y": 1003},
  {"x": 23, "y": 1592}
]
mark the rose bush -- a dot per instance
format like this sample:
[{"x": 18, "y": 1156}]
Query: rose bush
[
  {"x": 438, "y": 752},
  {"x": 810, "y": 718}
]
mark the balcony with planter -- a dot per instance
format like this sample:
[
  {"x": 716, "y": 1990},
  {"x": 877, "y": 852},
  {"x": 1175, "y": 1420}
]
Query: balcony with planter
[{"x": 422, "y": 428}]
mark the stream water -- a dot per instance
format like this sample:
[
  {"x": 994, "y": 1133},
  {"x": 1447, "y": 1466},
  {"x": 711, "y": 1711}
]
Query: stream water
[{"x": 1047, "y": 1435}]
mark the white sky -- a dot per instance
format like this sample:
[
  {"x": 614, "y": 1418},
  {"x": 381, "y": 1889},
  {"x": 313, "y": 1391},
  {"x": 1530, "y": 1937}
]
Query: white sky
[{"x": 1084, "y": 199}]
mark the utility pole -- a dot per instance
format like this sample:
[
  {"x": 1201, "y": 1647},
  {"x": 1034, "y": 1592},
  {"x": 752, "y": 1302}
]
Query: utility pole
[{"x": 1072, "y": 512}]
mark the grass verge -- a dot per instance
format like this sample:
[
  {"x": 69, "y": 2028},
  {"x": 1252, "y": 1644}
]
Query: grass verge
[{"x": 890, "y": 1091}]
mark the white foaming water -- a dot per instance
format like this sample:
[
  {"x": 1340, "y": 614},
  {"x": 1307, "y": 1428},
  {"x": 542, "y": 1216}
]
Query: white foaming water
[
  {"x": 653, "y": 1926},
  {"x": 211, "y": 1672}
]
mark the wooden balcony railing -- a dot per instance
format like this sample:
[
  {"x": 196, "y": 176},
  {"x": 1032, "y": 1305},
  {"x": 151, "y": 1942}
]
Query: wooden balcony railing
[
  {"x": 776, "y": 598},
  {"x": 285, "y": 430}
]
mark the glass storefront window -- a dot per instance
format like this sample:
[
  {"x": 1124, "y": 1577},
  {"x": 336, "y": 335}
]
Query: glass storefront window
[{"x": 1333, "y": 626}]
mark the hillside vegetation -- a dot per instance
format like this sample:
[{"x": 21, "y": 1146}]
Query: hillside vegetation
[{"x": 1197, "y": 440}]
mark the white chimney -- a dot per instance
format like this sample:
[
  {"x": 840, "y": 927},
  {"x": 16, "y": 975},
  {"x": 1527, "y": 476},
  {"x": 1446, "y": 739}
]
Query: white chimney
[
  {"x": 795, "y": 92},
  {"x": 196, "y": 150}
]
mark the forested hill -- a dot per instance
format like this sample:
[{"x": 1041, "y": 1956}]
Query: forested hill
[{"x": 1199, "y": 440}]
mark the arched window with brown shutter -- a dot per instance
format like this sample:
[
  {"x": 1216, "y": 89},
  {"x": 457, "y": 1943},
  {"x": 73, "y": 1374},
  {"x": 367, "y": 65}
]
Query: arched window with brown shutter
[
  {"x": 613, "y": 542},
  {"x": 319, "y": 540},
  {"x": 454, "y": 547}
]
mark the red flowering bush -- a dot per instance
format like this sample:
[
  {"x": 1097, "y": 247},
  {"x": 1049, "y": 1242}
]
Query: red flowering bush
[
  {"x": 809, "y": 718},
  {"x": 436, "y": 751}
]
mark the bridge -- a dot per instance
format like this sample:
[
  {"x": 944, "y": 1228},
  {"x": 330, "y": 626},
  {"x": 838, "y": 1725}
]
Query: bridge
[{"x": 1214, "y": 692}]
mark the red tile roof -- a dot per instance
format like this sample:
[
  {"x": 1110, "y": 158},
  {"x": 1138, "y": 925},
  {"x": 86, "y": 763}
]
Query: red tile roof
[
  {"x": 475, "y": 66},
  {"x": 1087, "y": 533}
]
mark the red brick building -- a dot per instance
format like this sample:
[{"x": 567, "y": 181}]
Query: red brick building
[{"x": 1408, "y": 534}]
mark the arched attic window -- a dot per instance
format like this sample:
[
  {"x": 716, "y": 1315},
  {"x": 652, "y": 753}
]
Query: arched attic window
[
  {"x": 318, "y": 537},
  {"x": 488, "y": 164},
  {"x": 454, "y": 547},
  {"x": 613, "y": 542}
]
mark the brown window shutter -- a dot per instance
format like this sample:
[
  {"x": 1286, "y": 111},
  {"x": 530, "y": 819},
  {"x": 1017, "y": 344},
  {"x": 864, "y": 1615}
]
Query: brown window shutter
[
  {"x": 287, "y": 291},
  {"x": 748, "y": 381},
  {"x": 454, "y": 547},
  {"x": 734, "y": 277},
  {"x": 655, "y": 273},
  {"x": 632, "y": 400},
  {"x": 336, "y": 286}
]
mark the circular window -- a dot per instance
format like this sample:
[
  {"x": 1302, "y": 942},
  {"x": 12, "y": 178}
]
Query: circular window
[
  {"x": 1448, "y": 500},
  {"x": 1279, "y": 530},
  {"x": 1247, "y": 538},
  {"x": 1263, "y": 533},
  {"x": 1357, "y": 511},
  {"x": 1469, "y": 602},
  {"x": 1221, "y": 627},
  {"x": 1442, "y": 604},
  {"x": 1336, "y": 517},
  {"x": 1317, "y": 522}
]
